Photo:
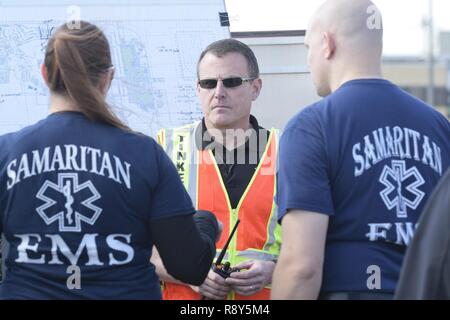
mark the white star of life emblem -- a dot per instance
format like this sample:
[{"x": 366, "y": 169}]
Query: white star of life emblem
[
  {"x": 69, "y": 219},
  {"x": 394, "y": 195}
]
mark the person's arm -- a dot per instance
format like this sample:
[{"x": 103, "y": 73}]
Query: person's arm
[
  {"x": 185, "y": 242},
  {"x": 186, "y": 246},
  {"x": 305, "y": 202},
  {"x": 160, "y": 269},
  {"x": 171, "y": 196},
  {"x": 213, "y": 287},
  {"x": 298, "y": 273},
  {"x": 201, "y": 220}
]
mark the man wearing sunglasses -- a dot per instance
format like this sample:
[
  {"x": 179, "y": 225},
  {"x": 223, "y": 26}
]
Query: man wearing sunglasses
[{"x": 227, "y": 164}]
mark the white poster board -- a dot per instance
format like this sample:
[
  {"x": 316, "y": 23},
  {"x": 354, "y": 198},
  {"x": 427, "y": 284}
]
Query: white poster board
[{"x": 155, "y": 46}]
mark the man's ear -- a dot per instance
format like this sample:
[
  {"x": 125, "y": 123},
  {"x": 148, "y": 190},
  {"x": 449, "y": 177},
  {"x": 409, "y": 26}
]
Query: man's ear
[
  {"x": 256, "y": 88},
  {"x": 329, "y": 45},
  {"x": 44, "y": 73}
]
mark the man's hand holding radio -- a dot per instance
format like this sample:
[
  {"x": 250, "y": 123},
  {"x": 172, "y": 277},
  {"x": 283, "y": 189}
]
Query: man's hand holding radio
[{"x": 253, "y": 277}]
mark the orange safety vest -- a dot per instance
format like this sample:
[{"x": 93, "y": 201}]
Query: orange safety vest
[{"x": 258, "y": 235}]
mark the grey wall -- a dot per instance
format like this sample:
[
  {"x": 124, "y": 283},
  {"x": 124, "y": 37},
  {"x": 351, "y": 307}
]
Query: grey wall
[{"x": 287, "y": 84}]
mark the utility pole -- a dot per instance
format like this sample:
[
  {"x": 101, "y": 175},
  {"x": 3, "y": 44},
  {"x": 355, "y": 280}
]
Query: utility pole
[{"x": 430, "y": 59}]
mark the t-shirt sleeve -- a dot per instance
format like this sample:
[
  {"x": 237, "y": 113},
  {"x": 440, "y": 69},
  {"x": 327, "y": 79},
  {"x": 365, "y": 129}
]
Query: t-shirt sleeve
[
  {"x": 169, "y": 197},
  {"x": 303, "y": 180}
]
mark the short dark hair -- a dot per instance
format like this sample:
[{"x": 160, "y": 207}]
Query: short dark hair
[{"x": 221, "y": 47}]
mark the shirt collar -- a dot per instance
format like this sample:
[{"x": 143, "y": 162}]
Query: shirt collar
[{"x": 205, "y": 141}]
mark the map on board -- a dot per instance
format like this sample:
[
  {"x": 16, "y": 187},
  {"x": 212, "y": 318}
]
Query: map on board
[{"x": 155, "y": 45}]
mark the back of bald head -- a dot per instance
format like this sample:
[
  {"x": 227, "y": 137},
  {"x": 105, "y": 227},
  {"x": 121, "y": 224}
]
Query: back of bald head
[{"x": 355, "y": 24}]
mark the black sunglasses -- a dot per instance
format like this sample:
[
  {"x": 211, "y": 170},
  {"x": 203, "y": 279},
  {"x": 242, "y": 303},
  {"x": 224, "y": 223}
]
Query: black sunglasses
[{"x": 227, "y": 83}]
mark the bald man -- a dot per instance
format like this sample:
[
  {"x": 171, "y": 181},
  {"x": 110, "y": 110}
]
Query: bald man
[{"x": 356, "y": 168}]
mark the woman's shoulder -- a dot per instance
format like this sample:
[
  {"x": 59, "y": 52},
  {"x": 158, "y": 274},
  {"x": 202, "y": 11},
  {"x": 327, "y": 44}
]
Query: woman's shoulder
[{"x": 15, "y": 136}]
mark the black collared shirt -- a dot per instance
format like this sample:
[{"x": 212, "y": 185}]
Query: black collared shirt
[{"x": 236, "y": 166}]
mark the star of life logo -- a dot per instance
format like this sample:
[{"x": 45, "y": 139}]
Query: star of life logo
[
  {"x": 76, "y": 199},
  {"x": 402, "y": 187}
]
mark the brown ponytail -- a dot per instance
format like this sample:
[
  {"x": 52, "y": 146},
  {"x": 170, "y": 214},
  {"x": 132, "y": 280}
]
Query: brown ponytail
[{"x": 75, "y": 60}]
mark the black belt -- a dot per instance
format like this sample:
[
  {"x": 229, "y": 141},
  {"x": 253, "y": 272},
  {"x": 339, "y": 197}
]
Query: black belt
[{"x": 356, "y": 296}]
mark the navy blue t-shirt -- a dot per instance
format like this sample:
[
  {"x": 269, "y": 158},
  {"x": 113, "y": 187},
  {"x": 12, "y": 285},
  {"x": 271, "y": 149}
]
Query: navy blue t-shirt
[
  {"x": 368, "y": 156},
  {"x": 75, "y": 192}
]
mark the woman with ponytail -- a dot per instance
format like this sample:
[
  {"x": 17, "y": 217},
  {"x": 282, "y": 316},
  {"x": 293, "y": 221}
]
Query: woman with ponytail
[{"x": 83, "y": 198}]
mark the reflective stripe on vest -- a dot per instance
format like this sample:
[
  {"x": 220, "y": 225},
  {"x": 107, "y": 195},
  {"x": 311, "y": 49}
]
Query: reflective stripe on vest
[
  {"x": 258, "y": 235},
  {"x": 177, "y": 144}
]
